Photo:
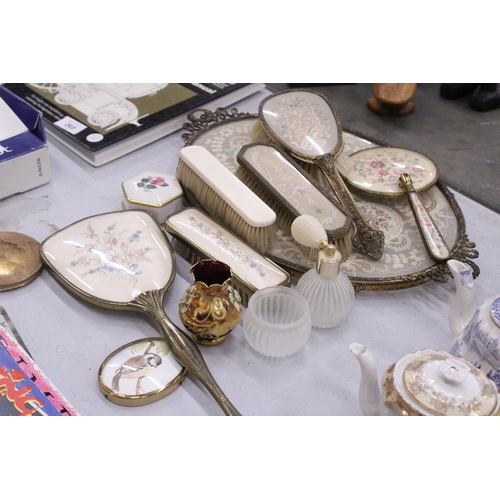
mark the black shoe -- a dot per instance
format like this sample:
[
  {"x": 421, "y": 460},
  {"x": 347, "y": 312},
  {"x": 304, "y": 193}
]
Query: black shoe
[
  {"x": 485, "y": 98},
  {"x": 456, "y": 90}
]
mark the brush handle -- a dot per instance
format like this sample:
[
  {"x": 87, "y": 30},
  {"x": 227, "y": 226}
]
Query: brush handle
[
  {"x": 183, "y": 348},
  {"x": 433, "y": 240},
  {"x": 365, "y": 239}
]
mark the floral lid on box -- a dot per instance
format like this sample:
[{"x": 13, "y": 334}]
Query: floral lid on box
[{"x": 152, "y": 189}]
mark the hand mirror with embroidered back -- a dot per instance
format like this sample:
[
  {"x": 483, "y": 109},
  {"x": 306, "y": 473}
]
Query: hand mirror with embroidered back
[
  {"x": 123, "y": 260},
  {"x": 392, "y": 172}
]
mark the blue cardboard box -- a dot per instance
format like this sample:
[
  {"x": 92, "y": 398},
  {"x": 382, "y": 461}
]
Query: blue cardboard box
[{"x": 24, "y": 156}]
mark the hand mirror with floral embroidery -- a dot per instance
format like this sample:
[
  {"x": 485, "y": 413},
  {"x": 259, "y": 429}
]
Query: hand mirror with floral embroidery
[
  {"x": 123, "y": 260},
  {"x": 391, "y": 172}
]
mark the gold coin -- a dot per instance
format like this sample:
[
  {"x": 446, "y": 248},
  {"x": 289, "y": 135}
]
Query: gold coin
[{"x": 20, "y": 260}]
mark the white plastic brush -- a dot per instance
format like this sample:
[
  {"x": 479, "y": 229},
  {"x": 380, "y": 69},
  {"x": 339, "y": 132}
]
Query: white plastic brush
[{"x": 226, "y": 198}]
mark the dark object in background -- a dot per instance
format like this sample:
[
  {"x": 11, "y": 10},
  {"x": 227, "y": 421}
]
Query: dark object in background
[
  {"x": 303, "y": 85},
  {"x": 483, "y": 96},
  {"x": 457, "y": 90}
]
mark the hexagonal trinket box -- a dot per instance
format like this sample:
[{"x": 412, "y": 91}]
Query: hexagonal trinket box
[{"x": 160, "y": 194}]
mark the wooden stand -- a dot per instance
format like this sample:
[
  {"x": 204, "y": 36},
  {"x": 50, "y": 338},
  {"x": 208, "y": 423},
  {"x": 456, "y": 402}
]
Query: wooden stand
[{"x": 392, "y": 98}]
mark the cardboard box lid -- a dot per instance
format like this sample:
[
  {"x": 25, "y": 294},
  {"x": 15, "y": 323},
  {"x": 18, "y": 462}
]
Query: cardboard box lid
[{"x": 27, "y": 120}]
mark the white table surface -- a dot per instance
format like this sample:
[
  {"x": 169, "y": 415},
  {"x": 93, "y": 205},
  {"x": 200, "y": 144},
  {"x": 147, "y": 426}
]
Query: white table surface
[{"x": 69, "y": 338}]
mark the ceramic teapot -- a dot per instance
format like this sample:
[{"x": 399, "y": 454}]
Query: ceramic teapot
[
  {"x": 427, "y": 383},
  {"x": 476, "y": 332}
]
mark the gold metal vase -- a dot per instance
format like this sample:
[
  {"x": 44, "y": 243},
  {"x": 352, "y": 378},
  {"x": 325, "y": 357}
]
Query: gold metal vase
[{"x": 210, "y": 308}]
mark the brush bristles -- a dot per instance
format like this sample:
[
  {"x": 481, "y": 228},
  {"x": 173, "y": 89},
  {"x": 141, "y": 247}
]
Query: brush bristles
[
  {"x": 185, "y": 252},
  {"x": 316, "y": 173},
  {"x": 344, "y": 246},
  {"x": 262, "y": 239},
  {"x": 259, "y": 134},
  {"x": 283, "y": 218},
  {"x": 311, "y": 253}
]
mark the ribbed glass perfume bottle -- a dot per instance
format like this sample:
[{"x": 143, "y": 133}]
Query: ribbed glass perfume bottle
[{"x": 327, "y": 289}]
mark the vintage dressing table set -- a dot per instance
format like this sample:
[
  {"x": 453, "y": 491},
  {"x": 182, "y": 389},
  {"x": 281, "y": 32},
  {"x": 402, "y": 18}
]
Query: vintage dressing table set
[{"x": 239, "y": 293}]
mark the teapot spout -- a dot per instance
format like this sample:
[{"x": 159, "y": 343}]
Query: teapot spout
[
  {"x": 462, "y": 307},
  {"x": 370, "y": 396}
]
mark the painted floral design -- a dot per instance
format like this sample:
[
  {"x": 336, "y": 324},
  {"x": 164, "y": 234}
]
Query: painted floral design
[
  {"x": 466, "y": 276},
  {"x": 112, "y": 253},
  {"x": 210, "y": 311},
  {"x": 386, "y": 166},
  {"x": 149, "y": 183},
  {"x": 479, "y": 347},
  {"x": 495, "y": 310},
  {"x": 186, "y": 298},
  {"x": 437, "y": 398},
  {"x": 234, "y": 297},
  {"x": 230, "y": 246}
]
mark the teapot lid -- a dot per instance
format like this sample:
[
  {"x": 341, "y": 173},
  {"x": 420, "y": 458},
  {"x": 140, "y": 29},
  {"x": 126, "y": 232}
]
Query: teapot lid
[{"x": 445, "y": 385}]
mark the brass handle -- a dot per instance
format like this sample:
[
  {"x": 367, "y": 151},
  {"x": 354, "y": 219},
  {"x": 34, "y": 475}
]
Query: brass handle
[{"x": 188, "y": 354}]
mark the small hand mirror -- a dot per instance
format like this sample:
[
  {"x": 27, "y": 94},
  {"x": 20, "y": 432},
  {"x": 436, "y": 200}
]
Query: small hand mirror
[
  {"x": 391, "y": 172},
  {"x": 123, "y": 260},
  {"x": 305, "y": 124}
]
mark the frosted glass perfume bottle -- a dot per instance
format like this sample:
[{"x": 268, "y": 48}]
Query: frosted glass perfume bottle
[{"x": 328, "y": 290}]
